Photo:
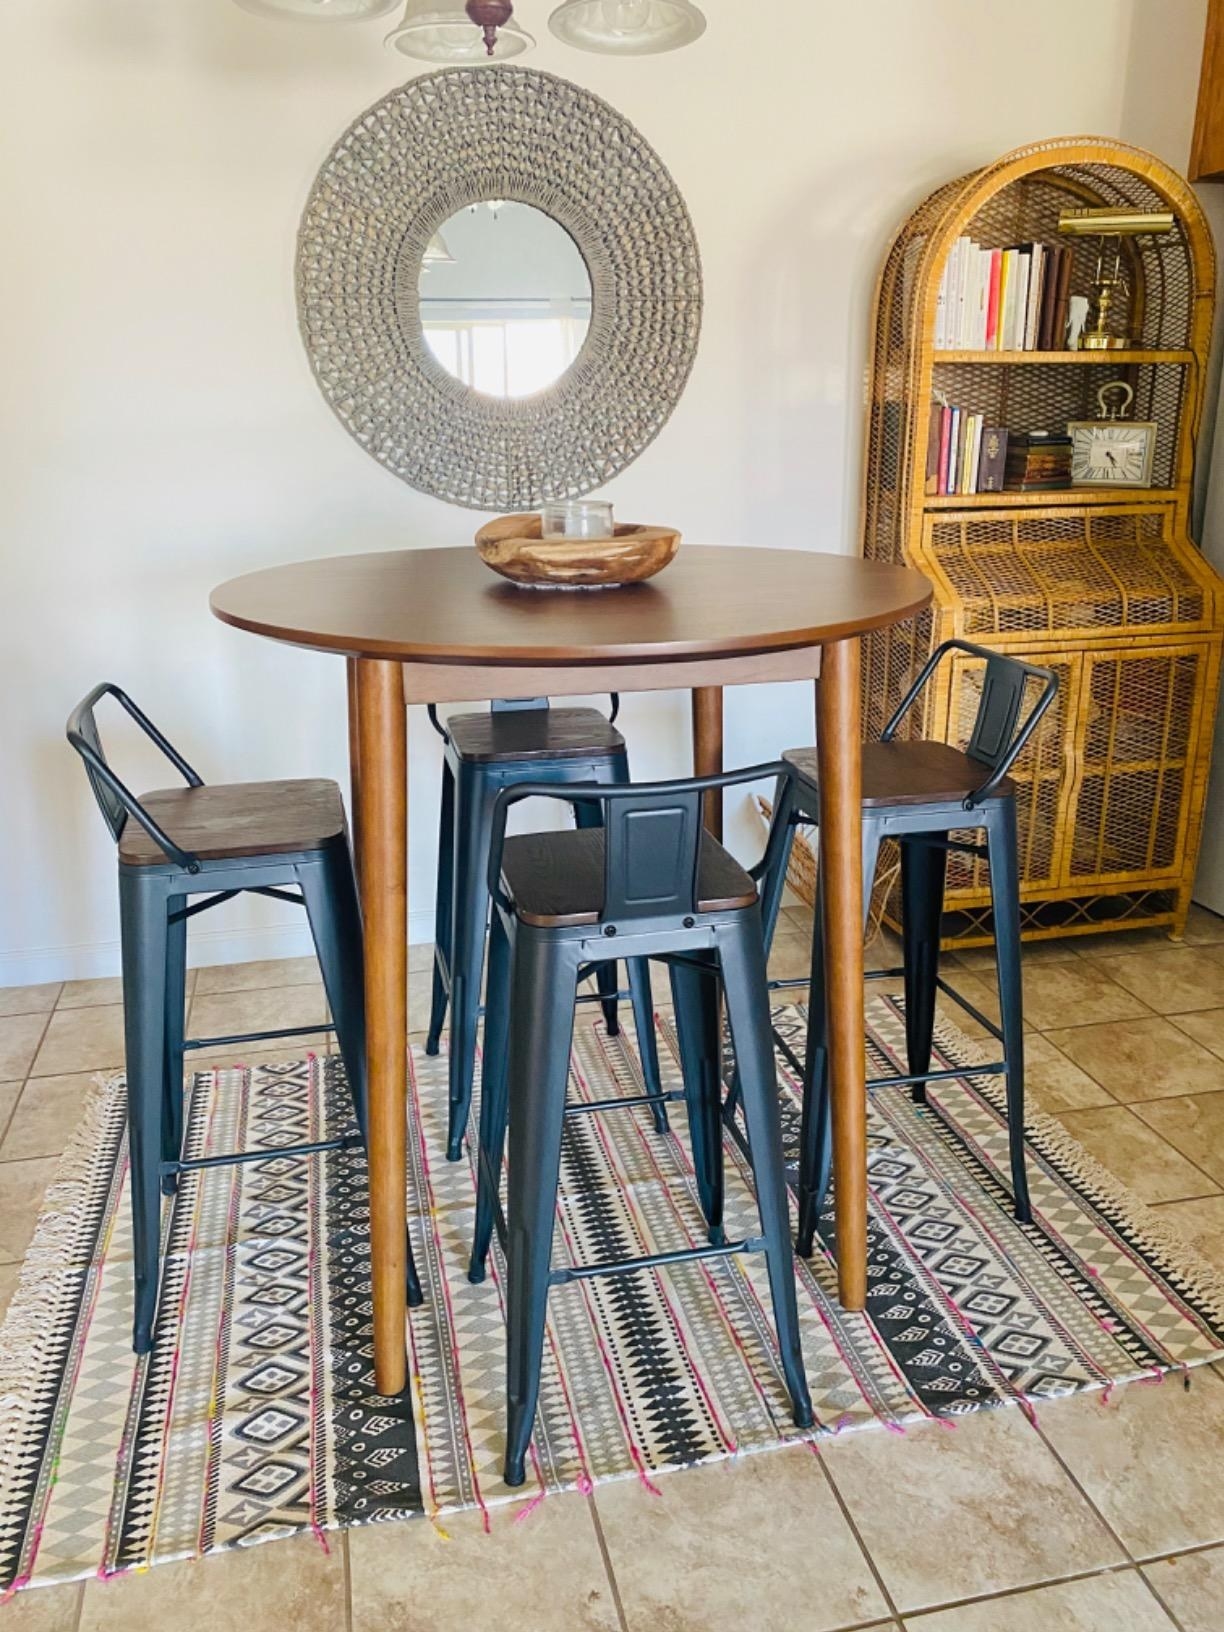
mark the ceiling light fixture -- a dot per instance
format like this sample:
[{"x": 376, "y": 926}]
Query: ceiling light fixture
[
  {"x": 434, "y": 32},
  {"x": 320, "y": 11},
  {"x": 627, "y": 28},
  {"x": 489, "y": 16}
]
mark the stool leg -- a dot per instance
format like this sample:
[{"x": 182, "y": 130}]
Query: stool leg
[
  {"x": 606, "y": 981},
  {"x": 493, "y": 1080},
  {"x": 741, "y": 950},
  {"x": 443, "y": 951},
  {"x": 143, "y": 931},
  {"x": 176, "y": 1003},
  {"x": 773, "y": 885},
  {"x": 330, "y": 892},
  {"x": 1003, "y": 847},
  {"x": 816, "y": 1139},
  {"x": 638, "y": 971},
  {"x": 474, "y": 797},
  {"x": 695, "y": 995},
  {"x": 543, "y": 987},
  {"x": 923, "y": 869}
]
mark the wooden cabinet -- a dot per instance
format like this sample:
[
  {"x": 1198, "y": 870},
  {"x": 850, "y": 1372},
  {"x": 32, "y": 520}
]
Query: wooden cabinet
[{"x": 1105, "y": 586}]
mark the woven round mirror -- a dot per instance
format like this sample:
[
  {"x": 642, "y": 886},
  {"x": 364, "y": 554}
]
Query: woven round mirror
[{"x": 438, "y": 372}]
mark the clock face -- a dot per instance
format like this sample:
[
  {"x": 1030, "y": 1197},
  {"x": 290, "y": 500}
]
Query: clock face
[{"x": 1104, "y": 453}]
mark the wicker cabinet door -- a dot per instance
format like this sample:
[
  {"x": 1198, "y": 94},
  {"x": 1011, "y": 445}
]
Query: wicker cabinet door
[
  {"x": 1140, "y": 717},
  {"x": 1042, "y": 776}
]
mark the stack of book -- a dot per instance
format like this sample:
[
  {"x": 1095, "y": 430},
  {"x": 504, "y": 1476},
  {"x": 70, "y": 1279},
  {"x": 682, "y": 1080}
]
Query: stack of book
[
  {"x": 964, "y": 454},
  {"x": 1012, "y": 299},
  {"x": 1038, "y": 460}
]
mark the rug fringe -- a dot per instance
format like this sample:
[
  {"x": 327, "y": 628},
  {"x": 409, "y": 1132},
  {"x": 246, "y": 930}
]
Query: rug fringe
[
  {"x": 1175, "y": 1258},
  {"x": 30, "y": 1322}
]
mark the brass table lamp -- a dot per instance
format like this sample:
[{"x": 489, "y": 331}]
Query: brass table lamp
[{"x": 1109, "y": 226}]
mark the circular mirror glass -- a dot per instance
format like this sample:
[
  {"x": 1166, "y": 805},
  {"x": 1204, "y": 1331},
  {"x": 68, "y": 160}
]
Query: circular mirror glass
[{"x": 505, "y": 298}]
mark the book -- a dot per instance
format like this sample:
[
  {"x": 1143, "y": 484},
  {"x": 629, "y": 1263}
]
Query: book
[
  {"x": 971, "y": 479},
  {"x": 1033, "y": 309},
  {"x": 1037, "y": 460},
  {"x": 953, "y": 452},
  {"x": 945, "y": 433},
  {"x": 1020, "y": 309},
  {"x": 1058, "y": 321},
  {"x": 1007, "y": 300},
  {"x": 934, "y": 429},
  {"x": 992, "y": 301},
  {"x": 993, "y": 459},
  {"x": 1049, "y": 295}
]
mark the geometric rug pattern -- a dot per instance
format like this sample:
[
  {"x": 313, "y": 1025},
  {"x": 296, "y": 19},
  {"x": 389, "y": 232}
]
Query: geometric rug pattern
[{"x": 254, "y": 1416}]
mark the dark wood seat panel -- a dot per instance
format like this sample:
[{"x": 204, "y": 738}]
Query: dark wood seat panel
[
  {"x": 557, "y": 879},
  {"x": 908, "y": 773},
  {"x": 222, "y": 820},
  {"x": 534, "y": 733}
]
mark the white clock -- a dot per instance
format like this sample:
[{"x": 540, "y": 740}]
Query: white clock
[{"x": 1112, "y": 452}]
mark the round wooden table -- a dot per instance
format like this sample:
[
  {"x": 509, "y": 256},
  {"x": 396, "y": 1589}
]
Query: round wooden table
[{"x": 436, "y": 626}]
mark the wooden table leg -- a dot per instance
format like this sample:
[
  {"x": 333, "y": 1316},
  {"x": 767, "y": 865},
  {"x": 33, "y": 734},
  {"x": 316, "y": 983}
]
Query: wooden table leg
[
  {"x": 841, "y": 872},
  {"x": 708, "y": 749},
  {"x": 383, "y": 825},
  {"x": 350, "y": 664}
]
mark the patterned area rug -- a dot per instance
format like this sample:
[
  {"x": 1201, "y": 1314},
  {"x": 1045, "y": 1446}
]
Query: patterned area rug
[{"x": 254, "y": 1416}]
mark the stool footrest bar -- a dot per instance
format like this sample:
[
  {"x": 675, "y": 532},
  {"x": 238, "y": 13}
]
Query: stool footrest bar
[
  {"x": 579, "y": 1106},
  {"x": 656, "y": 1260},
  {"x": 258, "y": 1036},
  {"x": 188, "y": 1164}
]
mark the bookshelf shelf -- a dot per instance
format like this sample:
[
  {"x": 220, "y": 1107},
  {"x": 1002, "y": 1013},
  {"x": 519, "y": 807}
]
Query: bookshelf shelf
[
  {"x": 1010, "y": 359},
  {"x": 1104, "y": 585}
]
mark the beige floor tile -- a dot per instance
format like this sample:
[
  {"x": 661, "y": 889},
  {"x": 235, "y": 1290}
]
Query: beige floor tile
[
  {"x": 1055, "y": 994},
  {"x": 88, "y": 994},
  {"x": 43, "y": 1609},
  {"x": 20, "y": 1035},
  {"x": 28, "y": 999},
  {"x": 982, "y": 958},
  {"x": 1053, "y": 1083},
  {"x": 245, "y": 977},
  {"x": 777, "y": 1577},
  {"x": 10, "y": 1092},
  {"x": 1118, "y": 1602},
  {"x": 22, "y": 1187},
  {"x": 46, "y": 1116},
  {"x": 883, "y": 951},
  {"x": 1201, "y": 1222},
  {"x": 1150, "y": 1459},
  {"x": 1206, "y": 1026},
  {"x": 82, "y": 1040},
  {"x": 790, "y": 958},
  {"x": 420, "y": 956},
  {"x": 546, "y": 1573},
  {"x": 1172, "y": 981},
  {"x": 1142, "y": 1059},
  {"x": 267, "y": 1588},
  {"x": 1194, "y": 1125},
  {"x": 9, "y": 1276},
  {"x": 1123, "y": 941},
  {"x": 1132, "y": 1152},
  {"x": 991, "y": 1484},
  {"x": 265, "y": 1008},
  {"x": 1204, "y": 928},
  {"x": 1193, "y": 1587}
]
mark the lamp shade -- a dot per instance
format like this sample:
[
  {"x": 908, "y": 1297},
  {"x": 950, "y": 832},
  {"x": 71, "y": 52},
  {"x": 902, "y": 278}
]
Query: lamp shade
[
  {"x": 445, "y": 33},
  {"x": 627, "y": 28},
  {"x": 320, "y": 11}
]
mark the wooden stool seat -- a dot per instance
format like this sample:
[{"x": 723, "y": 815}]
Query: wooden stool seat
[
  {"x": 218, "y": 821},
  {"x": 533, "y": 733},
  {"x": 557, "y": 879},
  {"x": 909, "y": 773}
]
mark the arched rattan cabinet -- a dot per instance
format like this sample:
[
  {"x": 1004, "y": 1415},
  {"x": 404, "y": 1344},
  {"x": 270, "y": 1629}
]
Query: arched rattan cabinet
[{"x": 1105, "y": 586}]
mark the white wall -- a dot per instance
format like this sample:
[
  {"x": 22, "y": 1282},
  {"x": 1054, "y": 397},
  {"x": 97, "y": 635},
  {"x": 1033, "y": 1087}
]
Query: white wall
[{"x": 161, "y": 430}]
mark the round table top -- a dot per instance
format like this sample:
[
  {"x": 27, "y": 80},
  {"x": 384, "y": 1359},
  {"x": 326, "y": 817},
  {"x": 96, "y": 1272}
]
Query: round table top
[{"x": 446, "y": 606}]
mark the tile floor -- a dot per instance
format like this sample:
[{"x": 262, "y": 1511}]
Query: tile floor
[{"x": 1102, "y": 1519}]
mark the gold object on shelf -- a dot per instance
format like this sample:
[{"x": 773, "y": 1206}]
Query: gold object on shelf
[
  {"x": 513, "y": 546},
  {"x": 1109, "y": 227},
  {"x": 1105, "y": 585}
]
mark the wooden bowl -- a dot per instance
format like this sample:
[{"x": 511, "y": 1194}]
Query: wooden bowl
[{"x": 512, "y": 545}]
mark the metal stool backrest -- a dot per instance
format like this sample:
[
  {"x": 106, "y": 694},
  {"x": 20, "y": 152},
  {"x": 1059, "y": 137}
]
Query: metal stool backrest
[
  {"x": 116, "y": 802},
  {"x": 652, "y": 839},
  {"x": 998, "y": 734},
  {"x": 509, "y": 705}
]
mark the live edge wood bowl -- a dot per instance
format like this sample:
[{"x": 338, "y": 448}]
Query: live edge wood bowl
[{"x": 512, "y": 545}]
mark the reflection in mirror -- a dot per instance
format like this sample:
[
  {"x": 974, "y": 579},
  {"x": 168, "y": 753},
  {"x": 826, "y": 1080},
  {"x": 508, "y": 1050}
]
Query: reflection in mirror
[{"x": 505, "y": 298}]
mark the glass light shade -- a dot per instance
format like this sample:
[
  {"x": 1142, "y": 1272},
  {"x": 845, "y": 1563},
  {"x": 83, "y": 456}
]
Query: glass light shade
[
  {"x": 445, "y": 33},
  {"x": 320, "y": 11},
  {"x": 627, "y": 28}
]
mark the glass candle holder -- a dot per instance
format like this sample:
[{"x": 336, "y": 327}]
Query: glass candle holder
[{"x": 576, "y": 518}]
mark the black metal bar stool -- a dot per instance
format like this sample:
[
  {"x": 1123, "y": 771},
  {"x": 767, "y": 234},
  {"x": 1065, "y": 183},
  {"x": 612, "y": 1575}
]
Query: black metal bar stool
[
  {"x": 921, "y": 793},
  {"x": 514, "y": 742},
  {"x": 216, "y": 841},
  {"x": 647, "y": 882}
]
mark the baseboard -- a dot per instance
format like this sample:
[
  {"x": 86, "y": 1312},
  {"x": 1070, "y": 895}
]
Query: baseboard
[{"x": 204, "y": 947}]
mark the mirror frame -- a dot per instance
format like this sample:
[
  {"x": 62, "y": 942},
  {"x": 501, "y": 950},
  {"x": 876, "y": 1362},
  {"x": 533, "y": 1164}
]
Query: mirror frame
[{"x": 428, "y": 149}]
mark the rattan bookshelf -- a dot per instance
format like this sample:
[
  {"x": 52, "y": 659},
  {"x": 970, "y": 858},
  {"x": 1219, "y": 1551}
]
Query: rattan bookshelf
[{"x": 1104, "y": 585}]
